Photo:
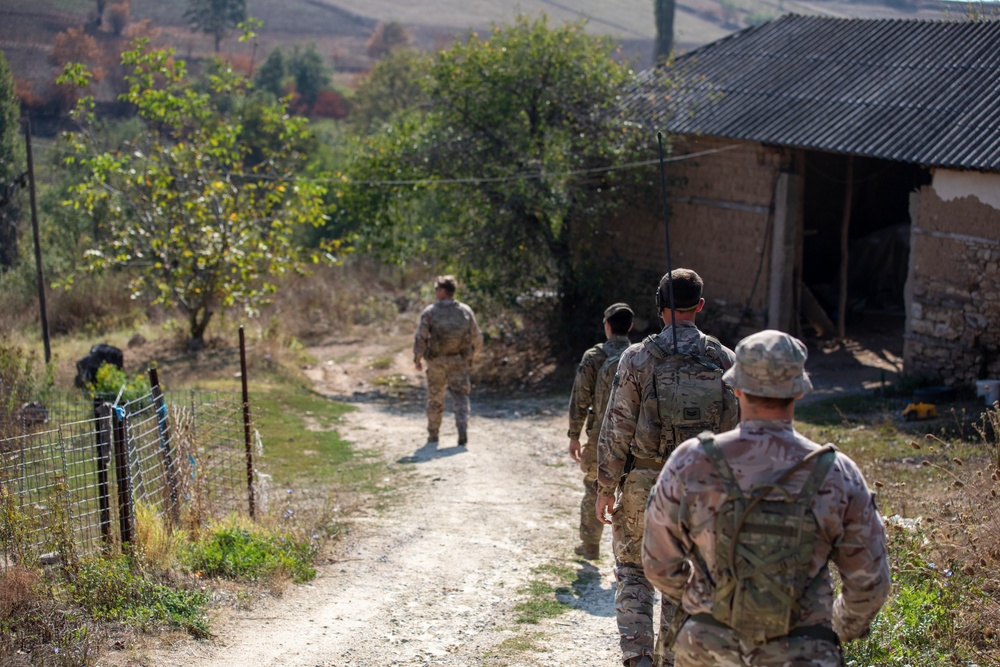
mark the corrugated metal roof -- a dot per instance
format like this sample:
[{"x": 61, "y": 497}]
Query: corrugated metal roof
[{"x": 926, "y": 92}]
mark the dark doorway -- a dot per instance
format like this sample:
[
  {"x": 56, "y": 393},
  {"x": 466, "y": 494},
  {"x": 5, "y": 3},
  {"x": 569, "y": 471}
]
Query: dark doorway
[{"x": 878, "y": 236}]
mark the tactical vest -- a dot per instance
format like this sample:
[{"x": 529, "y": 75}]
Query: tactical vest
[
  {"x": 602, "y": 386},
  {"x": 690, "y": 394},
  {"x": 450, "y": 331},
  {"x": 763, "y": 548}
]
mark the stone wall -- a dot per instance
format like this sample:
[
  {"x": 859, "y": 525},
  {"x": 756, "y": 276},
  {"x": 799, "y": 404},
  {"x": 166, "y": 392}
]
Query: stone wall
[
  {"x": 953, "y": 290},
  {"x": 720, "y": 199}
]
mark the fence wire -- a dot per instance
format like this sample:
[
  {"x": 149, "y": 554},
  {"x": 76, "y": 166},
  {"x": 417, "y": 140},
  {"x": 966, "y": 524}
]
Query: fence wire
[{"x": 72, "y": 468}]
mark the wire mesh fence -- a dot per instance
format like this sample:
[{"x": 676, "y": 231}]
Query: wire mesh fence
[{"x": 70, "y": 478}]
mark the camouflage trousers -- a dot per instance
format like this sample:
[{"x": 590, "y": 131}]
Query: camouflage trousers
[
  {"x": 451, "y": 372},
  {"x": 634, "y": 593},
  {"x": 591, "y": 527},
  {"x": 703, "y": 645}
]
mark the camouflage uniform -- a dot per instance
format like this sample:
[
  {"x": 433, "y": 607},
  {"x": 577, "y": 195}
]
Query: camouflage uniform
[
  {"x": 679, "y": 549},
  {"x": 449, "y": 338},
  {"x": 584, "y": 413},
  {"x": 632, "y": 424}
]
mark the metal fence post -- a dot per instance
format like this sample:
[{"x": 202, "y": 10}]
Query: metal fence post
[
  {"x": 160, "y": 406},
  {"x": 102, "y": 413},
  {"x": 122, "y": 477},
  {"x": 246, "y": 424}
]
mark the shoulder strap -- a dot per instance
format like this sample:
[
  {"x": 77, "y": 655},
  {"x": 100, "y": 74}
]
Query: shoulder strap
[
  {"x": 720, "y": 464},
  {"x": 827, "y": 454},
  {"x": 651, "y": 344}
]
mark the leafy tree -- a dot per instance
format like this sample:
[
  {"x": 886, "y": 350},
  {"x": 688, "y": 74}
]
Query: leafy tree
[
  {"x": 385, "y": 38},
  {"x": 664, "y": 10},
  {"x": 215, "y": 17},
  {"x": 504, "y": 171},
  {"x": 271, "y": 74},
  {"x": 11, "y": 163},
  {"x": 205, "y": 210},
  {"x": 310, "y": 74},
  {"x": 396, "y": 82}
]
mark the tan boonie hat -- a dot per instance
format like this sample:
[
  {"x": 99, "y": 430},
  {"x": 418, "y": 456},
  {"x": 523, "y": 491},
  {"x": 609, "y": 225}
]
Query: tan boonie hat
[
  {"x": 770, "y": 363},
  {"x": 616, "y": 308}
]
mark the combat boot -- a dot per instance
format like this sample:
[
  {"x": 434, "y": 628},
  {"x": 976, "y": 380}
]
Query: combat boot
[
  {"x": 432, "y": 437},
  {"x": 640, "y": 661},
  {"x": 588, "y": 551},
  {"x": 463, "y": 437}
]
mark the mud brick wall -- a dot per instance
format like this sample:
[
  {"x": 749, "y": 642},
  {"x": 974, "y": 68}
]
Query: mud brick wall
[
  {"x": 718, "y": 227},
  {"x": 953, "y": 320}
]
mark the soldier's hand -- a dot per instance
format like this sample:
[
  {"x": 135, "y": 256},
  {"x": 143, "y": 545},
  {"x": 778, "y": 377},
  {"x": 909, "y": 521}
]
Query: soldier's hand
[
  {"x": 605, "y": 508},
  {"x": 419, "y": 364},
  {"x": 574, "y": 450}
]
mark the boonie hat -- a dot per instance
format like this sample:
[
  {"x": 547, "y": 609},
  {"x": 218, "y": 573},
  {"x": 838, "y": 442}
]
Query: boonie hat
[
  {"x": 770, "y": 363},
  {"x": 616, "y": 308}
]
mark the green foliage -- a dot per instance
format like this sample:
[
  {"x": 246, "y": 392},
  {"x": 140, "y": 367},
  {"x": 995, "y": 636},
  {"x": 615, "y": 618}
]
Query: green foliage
[
  {"x": 12, "y": 163},
  {"x": 234, "y": 552},
  {"x": 215, "y": 17},
  {"x": 311, "y": 76},
  {"x": 396, "y": 82},
  {"x": 271, "y": 74},
  {"x": 203, "y": 200},
  {"x": 110, "y": 380},
  {"x": 112, "y": 589},
  {"x": 508, "y": 151}
]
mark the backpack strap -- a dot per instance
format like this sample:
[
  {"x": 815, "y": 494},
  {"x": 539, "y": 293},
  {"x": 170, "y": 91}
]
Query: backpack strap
[
  {"x": 720, "y": 464},
  {"x": 653, "y": 346},
  {"x": 826, "y": 454}
]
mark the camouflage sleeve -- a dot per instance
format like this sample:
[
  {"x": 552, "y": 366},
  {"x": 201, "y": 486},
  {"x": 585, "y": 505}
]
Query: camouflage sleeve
[
  {"x": 619, "y": 425},
  {"x": 477, "y": 336},
  {"x": 664, "y": 543},
  {"x": 583, "y": 393},
  {"x": 860, "y": 557},
  {"x": 423, "y": 335}
]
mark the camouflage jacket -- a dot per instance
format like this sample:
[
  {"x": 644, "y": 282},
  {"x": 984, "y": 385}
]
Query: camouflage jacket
[
  {"x": 632, "y": 421},
  {"x": 451, "y": 323},
  {"x": 581, "y": 401},
  {"x": 678, "y": 550}
]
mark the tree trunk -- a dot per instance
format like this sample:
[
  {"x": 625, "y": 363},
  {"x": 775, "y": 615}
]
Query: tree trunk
[
  {"x": 664, "y": 29},
  {"x": 198, "y": 320},
  {"x": 218, "y": 40}
]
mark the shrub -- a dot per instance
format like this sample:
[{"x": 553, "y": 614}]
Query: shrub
[{"x": 236, "y": 552}]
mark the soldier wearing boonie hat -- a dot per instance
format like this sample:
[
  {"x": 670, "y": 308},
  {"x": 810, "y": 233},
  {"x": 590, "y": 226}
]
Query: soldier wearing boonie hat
[
  {"x": 765, "y": 452},
  {"x": 591, "y": 389}
]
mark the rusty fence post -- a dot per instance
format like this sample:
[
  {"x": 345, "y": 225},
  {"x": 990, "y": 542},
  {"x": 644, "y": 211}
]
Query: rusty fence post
[
  {"x": 102, "y": 416},
  {"x": 160, "y": 406},
  {"x": 122, "y": 478},
  {"x": 246, "y": 425}
]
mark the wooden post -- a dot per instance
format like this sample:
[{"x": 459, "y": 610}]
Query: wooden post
[
  {"x": 160, "y": 406},
  {"x": 845, "y": 227},
  {"x": 246, "y": 425},
  {"x": 102, "y": 414},
  {"x": 124, "y": 481},
  {"x": 38, "y": 247}
]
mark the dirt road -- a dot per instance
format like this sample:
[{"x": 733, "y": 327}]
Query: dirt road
[{"x": 435, "y": 580}]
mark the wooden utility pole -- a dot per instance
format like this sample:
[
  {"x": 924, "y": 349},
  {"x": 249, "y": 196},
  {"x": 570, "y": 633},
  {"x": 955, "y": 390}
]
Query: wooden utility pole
[{"x": 38, "y": 245}]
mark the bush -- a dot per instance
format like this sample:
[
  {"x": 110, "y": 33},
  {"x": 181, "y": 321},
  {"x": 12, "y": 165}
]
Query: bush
[
  {"x": 235, "y": 552},
  {"x": 112, "y": 589}
]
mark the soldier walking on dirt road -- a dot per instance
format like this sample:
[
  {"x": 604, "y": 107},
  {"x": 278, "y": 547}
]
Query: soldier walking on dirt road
[
  {"x": 449, "y": 339},
  {"x": 668, "y": 388},
  {"x": 741, "y": 527},
  {"x": 587, "y": 404}
]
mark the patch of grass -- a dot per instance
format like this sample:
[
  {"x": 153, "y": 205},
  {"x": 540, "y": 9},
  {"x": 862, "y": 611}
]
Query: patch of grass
[
  {"x": 250, "y": 553},
  {"x": 381, "y": 363},
  {"x": 113, "y": 589},
  {"x": 542, "y": 595},
  {"x": 391, "y": 381}
]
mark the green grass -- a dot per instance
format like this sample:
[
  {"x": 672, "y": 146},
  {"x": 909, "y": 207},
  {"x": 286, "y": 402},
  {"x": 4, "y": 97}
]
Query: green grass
[
  {"x": 250, "y": 554},
  {"x": 542, "y": 595},
  {"x": 113, "y": 589}
]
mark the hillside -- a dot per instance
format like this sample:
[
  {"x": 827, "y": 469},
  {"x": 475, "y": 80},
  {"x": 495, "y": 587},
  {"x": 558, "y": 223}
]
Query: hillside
[{"x": 340, "y": 28}]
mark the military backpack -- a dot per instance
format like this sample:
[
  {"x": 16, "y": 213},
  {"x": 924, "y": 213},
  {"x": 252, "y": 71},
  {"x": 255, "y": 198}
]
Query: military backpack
[
  {"x": 690, "y": 394},
  {"x": 764, "y": 546},
  {"x": 604, "y": 382},
  {"x": 451, "y": 331}
]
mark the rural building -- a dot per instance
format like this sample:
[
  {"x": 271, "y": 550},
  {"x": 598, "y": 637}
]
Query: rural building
[{"x": 823, "y": 168}]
